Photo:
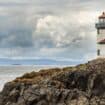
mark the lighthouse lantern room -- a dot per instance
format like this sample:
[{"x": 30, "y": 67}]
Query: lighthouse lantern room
[{"x": 101, "y": 35}]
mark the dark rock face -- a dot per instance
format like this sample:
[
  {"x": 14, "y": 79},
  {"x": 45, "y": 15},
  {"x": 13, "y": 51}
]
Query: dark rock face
[{"x": 66, "y": 87}]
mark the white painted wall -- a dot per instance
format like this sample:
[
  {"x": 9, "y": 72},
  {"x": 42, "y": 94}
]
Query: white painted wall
[{"x": 101, "y": 35}]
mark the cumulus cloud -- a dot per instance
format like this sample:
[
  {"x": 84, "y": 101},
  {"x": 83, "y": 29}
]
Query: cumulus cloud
[
  {"x": 54, "y": 27},
  {"x": 58, "y": 30}
]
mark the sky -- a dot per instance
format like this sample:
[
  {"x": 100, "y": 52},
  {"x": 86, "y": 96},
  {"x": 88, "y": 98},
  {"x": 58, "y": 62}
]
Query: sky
[{"x": 60, "y": 29}]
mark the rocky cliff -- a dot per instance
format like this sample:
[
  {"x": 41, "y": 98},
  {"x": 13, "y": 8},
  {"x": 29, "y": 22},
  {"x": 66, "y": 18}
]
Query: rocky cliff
[{"x": 80, "y": 85}]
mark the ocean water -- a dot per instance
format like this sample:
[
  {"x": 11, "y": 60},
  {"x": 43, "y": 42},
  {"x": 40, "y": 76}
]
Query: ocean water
[{"x": 9, "y": 73}]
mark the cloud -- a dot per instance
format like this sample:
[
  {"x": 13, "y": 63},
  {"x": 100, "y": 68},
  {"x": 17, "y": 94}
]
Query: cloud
[
  {"x": 58, "y": 28},
  {"x": 53, "y": 27}
]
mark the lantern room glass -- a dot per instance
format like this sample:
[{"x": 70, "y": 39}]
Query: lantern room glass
[{"x": 102, "y": 20}]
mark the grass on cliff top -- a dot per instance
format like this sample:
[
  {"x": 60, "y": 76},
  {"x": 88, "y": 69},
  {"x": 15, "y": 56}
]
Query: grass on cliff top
[{"x": 35, "y": 77}]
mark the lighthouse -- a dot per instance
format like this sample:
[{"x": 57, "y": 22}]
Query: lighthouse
[{"x": 100, "y": 26}]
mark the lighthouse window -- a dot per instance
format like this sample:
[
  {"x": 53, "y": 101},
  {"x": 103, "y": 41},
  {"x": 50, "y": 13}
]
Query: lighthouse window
[{"x": 98, "y": 52}]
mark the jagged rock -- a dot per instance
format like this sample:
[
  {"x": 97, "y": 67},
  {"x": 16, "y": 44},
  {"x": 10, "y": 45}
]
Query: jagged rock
[{"x": 80, "y": 85}]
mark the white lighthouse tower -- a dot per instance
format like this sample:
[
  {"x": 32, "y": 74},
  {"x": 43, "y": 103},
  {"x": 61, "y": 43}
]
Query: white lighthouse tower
[{"x": 101, "y": 35}]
